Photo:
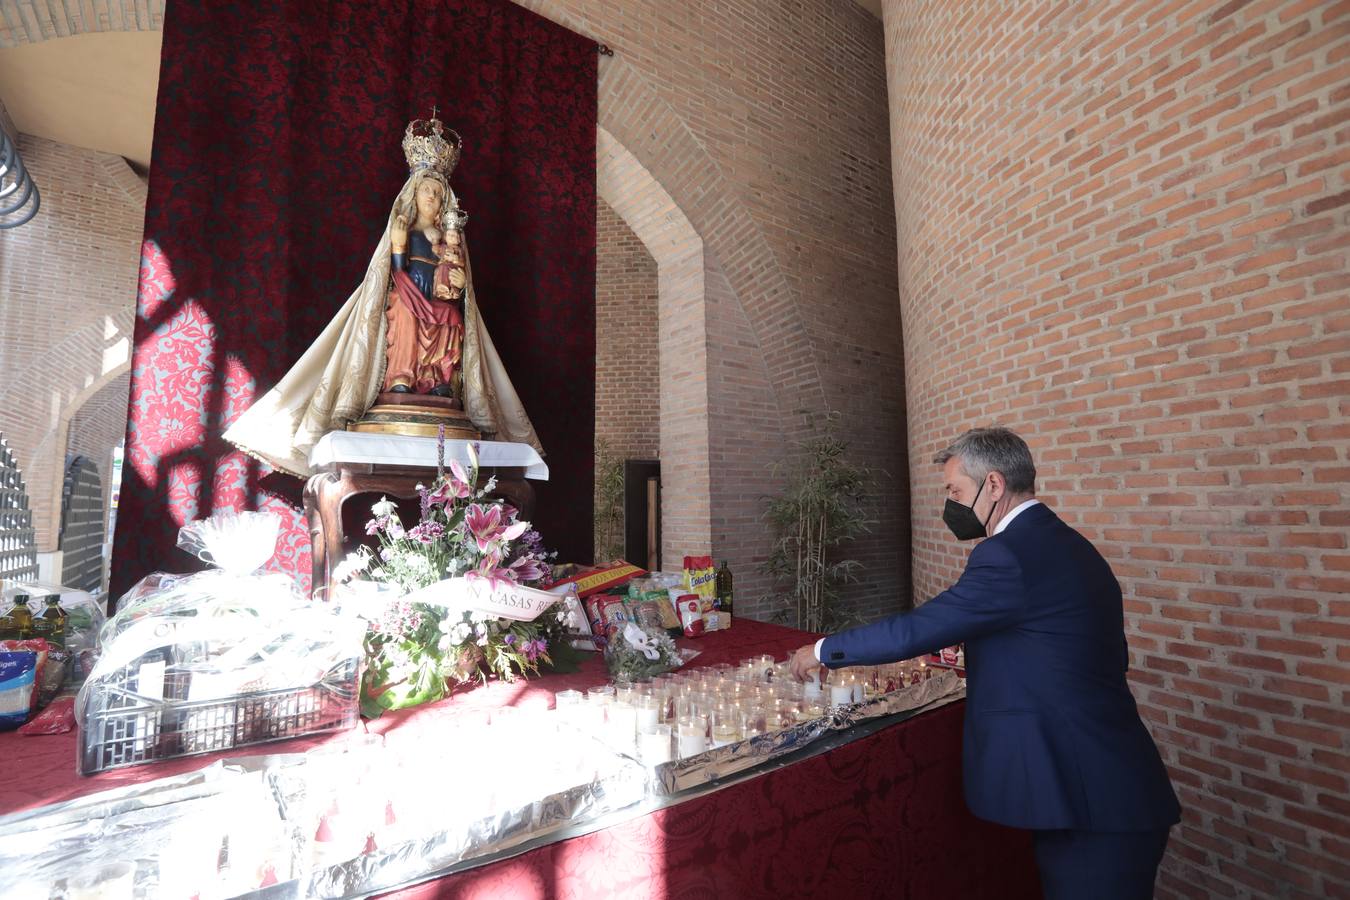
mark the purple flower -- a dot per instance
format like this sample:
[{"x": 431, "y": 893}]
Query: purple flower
[
  {"x": 427, "y": 532},
  {"x": 440, "y": 451},
  {"x": 373, "y": 526},
  {"x": 536, "y": 648},
  {"x": 509, "y": 638}
]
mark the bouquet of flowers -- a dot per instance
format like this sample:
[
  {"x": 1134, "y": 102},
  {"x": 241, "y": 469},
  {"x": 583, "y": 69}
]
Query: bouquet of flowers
[
  {"x": 641, "y": 652},
  {"x": 413, "y": 649}
]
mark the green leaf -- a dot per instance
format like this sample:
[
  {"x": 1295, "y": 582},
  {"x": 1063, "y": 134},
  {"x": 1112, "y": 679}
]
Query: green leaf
[
  {"x": 563, "y": 658},
  {"x": 370, "y": 708}
]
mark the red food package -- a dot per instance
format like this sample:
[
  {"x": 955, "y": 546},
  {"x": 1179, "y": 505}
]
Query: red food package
[
  {"x": 691, "y": 615},
  {"x": 613, "y": 614},
  {"x": 593, "y": 581},
  {"x": 58, "y": 718}
]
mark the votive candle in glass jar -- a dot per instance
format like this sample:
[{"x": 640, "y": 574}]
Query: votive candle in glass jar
[
  {"x": 692, "y": 734},
  {"x": 810, "y": 709},
  {"x": 726, "y": 726},
  {"x": 654, "y": 747},
  {"x": 648, "y": 713},
  {"x": 841, "y": 689},
  {"x": 591, "y": 714},
  {"x": 622, "y": 725}
]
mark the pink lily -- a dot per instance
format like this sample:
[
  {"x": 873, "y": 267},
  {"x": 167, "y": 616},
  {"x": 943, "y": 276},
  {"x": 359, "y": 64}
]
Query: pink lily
[
  {"x": 525, "y": 569},
  {"x": 484, "y": 524},
  {"x": 454, "y": 486},
  {"x": 489, "y": 569}
]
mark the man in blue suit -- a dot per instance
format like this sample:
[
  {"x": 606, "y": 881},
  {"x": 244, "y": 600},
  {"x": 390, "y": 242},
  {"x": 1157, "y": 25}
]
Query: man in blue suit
[{"x": 1053, "y": 741}]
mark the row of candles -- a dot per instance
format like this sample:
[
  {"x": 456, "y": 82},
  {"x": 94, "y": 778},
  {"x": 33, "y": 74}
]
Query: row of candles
[{"x": 687, "y": 712}]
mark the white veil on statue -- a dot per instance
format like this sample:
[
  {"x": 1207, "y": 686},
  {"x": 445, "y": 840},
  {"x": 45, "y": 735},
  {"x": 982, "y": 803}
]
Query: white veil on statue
[{"x": 338, "y": 377}]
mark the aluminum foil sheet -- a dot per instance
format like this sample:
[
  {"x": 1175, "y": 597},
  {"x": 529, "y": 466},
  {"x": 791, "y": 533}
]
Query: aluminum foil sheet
[
  {"x": 672, "y": 778},
  {"x": 246, "y": 815},
  {"x": 455, "y": 847},
  {"x": 158, "y": 827}
]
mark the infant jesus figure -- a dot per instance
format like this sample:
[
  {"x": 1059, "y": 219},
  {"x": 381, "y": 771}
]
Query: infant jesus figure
[{"x": 450, "y": 277}]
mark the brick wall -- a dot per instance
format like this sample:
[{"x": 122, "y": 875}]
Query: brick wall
[
  {"x": 100, "y": 423},
  {"x": 68, "y": 285},
  {"x": 627, "y": 364},
  {"x": 627, "y": 371},
  {"x": 767, "y": 128},
  {"x": 1123, "y": 230}
]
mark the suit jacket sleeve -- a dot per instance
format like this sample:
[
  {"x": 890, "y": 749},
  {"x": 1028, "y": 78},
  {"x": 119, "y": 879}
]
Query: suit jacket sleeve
[{"x": 989, "y": 596}]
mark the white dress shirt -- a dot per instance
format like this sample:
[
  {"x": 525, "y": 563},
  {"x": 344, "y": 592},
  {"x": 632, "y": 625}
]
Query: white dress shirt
[{"x": 998, "y": 529}]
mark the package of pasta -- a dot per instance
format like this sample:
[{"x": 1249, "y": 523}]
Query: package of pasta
[
  {"x": 670, "y": 619},
  {"x": 607, "y": 614}
]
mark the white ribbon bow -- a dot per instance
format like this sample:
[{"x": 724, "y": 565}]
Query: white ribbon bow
[{"x": 639, "y": 639}]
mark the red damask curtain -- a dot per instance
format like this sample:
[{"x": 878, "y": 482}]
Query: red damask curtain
[{"x": 276, "y": 158}]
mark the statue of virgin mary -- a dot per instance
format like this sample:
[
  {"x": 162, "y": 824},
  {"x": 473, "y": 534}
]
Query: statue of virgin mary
[{"x": 411, "y": 327}]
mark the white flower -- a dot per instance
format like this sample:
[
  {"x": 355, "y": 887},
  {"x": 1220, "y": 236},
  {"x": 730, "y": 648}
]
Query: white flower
[
  {"x": 385, "y": 507},
  {"x": 356, "y": 561},
  {"x": 461, "y": 633}
]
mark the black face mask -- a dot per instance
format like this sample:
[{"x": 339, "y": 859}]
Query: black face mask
[{"x": 963, "y": 522}]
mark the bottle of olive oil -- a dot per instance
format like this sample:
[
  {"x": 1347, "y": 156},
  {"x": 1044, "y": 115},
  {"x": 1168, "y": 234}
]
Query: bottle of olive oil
[
  {"x": 51, "y": 623},
  {"x": 724, "y": 589},
  {"x": 20, "y": 619}
]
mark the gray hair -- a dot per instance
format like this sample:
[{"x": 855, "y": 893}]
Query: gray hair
[{"x": 997, "y": 449}]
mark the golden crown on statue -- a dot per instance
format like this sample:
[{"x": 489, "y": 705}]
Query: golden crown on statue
[{"x": 428, "y": 144}]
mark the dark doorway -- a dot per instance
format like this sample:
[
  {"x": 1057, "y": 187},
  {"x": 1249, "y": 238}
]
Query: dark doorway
[{"x": 642, "y": 513}]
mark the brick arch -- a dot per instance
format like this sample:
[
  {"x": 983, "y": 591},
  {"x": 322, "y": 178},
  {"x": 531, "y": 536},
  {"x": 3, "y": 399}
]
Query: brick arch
[
  {"x": 632, "y": 110},
  {"x": 40, "y": 400},
  {"x": 32, "y": 21},
  {"x": 659, "y": 223}
]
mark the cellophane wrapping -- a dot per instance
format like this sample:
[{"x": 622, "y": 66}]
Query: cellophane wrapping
[{"x": 217, "y": 659}]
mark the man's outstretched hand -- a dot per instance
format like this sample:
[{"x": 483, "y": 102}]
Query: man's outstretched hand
[{"x": 804, "y": 662}]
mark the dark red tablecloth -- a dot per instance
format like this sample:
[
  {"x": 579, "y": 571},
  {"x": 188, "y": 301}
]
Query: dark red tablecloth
[{"x": 880, "y": 817}]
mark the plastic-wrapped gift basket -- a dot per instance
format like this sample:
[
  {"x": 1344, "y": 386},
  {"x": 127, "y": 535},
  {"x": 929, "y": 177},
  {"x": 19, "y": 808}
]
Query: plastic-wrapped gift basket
[{"x": 218, "y": 659}]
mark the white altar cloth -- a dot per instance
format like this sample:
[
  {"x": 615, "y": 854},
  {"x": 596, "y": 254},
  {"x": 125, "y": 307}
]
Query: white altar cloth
[{"x": 402, "y": 450}]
